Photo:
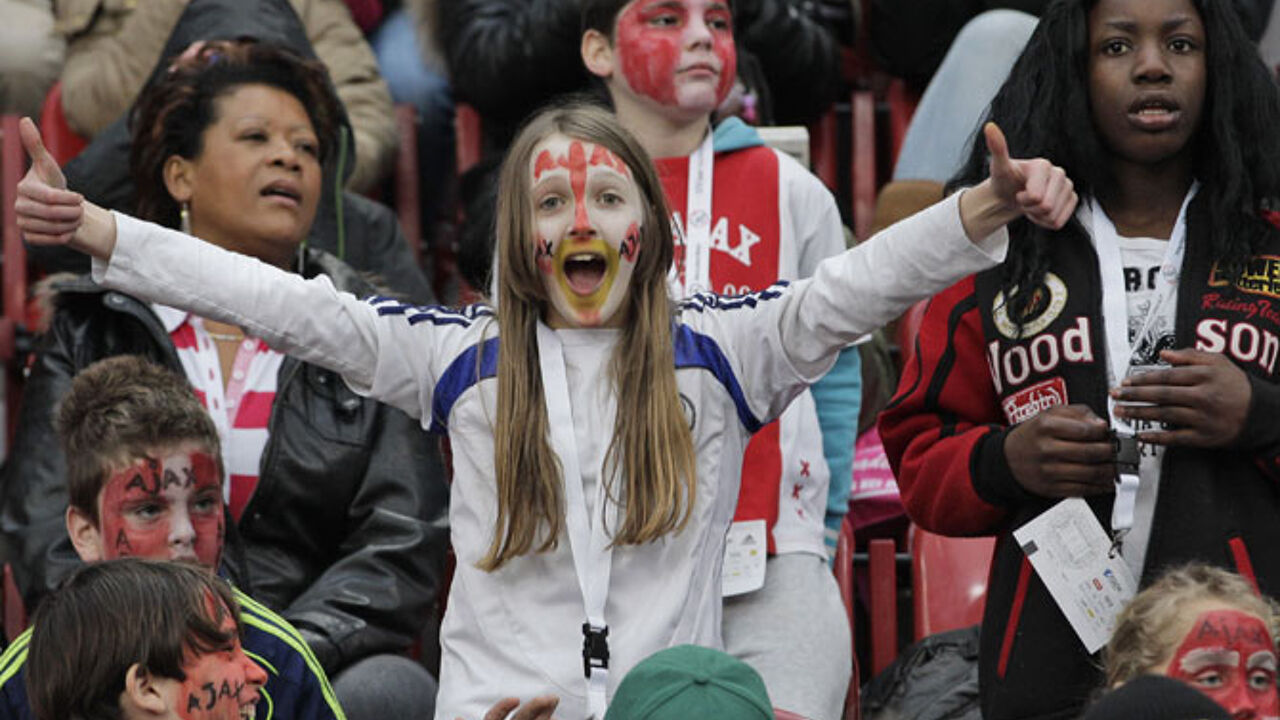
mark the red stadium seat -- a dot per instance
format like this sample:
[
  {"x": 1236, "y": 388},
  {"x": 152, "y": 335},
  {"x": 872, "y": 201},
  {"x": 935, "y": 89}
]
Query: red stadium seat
[
  {"x": 406, "y": 184},
  {"x": 63, "y": 142},
  {"x": 466, "y": 126},
  {"x": 948, "y": 581},
  {"x": 844, "y": 578},
  {"x": 883, "y": 572}
]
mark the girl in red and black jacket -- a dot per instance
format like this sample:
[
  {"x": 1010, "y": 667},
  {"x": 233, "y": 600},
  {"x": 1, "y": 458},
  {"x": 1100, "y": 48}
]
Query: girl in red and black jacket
[{"x": 1164, "y": 290}]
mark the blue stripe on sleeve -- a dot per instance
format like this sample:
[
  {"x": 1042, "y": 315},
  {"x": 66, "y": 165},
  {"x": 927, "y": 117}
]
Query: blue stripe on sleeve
[
  {"x": 461, "y": 374},
  {"x": 693, "y": 349}
]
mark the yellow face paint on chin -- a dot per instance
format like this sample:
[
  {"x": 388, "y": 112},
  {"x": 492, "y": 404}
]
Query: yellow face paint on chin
[{"x": 587, "y": 309}]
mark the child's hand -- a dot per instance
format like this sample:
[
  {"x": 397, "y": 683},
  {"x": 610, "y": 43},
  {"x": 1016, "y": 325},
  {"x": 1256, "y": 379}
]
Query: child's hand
[
  {"x": 48, "y": 213},
  {"x": 539, "y": 708},
  {"x": 1036, "y": 189}
]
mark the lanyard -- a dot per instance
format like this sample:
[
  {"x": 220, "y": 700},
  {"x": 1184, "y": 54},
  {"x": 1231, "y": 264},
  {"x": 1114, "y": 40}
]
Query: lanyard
[
  {"x": 589, "y": 544},
  {"x": 697, "y": 231},
  {"x": 1115, "y": 315}
]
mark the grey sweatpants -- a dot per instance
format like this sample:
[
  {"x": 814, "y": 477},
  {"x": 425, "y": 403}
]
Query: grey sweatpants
[{"x": 795, "y": 633}]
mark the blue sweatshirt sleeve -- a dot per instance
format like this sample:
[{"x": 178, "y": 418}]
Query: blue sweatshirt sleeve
[{"x": 838, "y": 397}]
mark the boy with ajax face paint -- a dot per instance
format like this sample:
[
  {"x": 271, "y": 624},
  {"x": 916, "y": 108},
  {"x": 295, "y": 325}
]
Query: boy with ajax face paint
[
  {"x": 1208, "y": 628},
  {"x": 141, "y": 640},
  {"x": 144, "y": 480},
  {"x": 746, "y": 216}
]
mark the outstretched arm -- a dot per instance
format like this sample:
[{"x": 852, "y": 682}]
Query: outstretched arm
[
  {"x": 875, "y": 282},
  {"x": 861, "y": 289},
  {"x": 379, "y": 347}
]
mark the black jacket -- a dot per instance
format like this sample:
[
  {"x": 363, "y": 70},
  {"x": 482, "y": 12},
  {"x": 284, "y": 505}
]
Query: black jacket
[
  {"x": 346, "y": 531},
  {"x": 368, "y": 237},
  {"x": 944, "y": 434}
]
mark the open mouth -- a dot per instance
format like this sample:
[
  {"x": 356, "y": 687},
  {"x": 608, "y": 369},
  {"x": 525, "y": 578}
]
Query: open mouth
[
  {"x": 584, "y": 272},
  {"x": 248, "y": 710},
  {"x": 282, "y": 189},
  {"x": 1154, "y": 113}
]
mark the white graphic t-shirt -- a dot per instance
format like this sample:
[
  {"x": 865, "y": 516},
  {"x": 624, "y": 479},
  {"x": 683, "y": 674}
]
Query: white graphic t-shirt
[{"x": 1142, "y": 259}]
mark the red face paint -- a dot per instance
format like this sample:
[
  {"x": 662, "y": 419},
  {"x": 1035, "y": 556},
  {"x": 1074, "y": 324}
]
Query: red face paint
[
  {"x": 576, "y": 163},
  {"x": 587, "y": 217},
  {"x": 164, "y": 508},
  {"x": 1229, "y": 656},
  {"x": 664, "y": 42},
  {"x": 222, "y": 684},
  {"x": 630, "y": 248},
  {"x": 602, "y": 156}
]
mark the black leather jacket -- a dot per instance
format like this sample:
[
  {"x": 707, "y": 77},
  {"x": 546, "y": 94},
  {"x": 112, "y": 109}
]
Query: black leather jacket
[{"x": 346, "y": 531}]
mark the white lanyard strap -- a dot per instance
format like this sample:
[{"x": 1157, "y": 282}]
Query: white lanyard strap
[
  {"x": 697, "y": 233},
  {"x": 589, "y": 544},
  {"x": 1115, "y": 315}
]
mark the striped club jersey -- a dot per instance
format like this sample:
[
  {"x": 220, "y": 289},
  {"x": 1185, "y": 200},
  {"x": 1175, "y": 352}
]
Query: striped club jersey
[
  {"x": 771, "y": 220},
  {"x": 241, "y": 408}
]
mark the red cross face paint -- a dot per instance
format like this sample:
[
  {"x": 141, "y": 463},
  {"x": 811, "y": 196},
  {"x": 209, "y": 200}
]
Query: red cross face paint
[
  {"x": 1229, "y": 656},
  {"x": 165, "y": 508},
  {"x": 679, "y": 53},
  {"x": 220, "y": 685},
  {"x": 588, "y": 214}
]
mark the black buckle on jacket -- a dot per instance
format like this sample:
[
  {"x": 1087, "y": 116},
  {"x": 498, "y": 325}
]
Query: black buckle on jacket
[
  {"x": 1127, "y": 452},
  {"x": 595, "y": 648}
]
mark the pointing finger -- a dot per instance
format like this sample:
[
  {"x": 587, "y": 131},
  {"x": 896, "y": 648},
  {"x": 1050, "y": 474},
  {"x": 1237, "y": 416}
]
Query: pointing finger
[{"x": 1001, "y": 164}]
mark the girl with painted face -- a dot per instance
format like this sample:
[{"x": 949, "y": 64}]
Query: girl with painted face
[
  {"x": 1130, "y": 358},
  {"x": 746, "y": 216},
  {"x": 597, "y": 427},
  {"x": 1208, "y": 628}
]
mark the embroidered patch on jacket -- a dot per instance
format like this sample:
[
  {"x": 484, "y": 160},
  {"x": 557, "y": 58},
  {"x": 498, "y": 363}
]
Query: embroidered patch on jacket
[
  {"x": 1260, "y": 276},
  {"x": 1045, "y": 306},
  {"x": 1029, "y": 402}
]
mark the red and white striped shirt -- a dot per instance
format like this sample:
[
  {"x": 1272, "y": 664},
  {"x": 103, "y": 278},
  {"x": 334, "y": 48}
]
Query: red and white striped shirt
[{"x": 242, "y": 411}]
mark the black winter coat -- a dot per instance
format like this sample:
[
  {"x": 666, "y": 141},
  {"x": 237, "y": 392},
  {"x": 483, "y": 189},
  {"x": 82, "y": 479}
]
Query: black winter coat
[{"x": 346, "y": 531}]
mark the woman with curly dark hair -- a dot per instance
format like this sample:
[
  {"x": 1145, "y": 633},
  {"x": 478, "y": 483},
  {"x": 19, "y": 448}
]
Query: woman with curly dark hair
[
  {"x": 336, "y": 500},
  {"x": 1129, "y": 358}
]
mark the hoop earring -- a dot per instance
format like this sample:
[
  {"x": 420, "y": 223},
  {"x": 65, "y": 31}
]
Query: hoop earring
[{"x": 184, "y": 218}]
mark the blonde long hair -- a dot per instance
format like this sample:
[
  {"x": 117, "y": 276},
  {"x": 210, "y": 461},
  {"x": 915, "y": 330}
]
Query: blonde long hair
[{"x": 651, "y": 453}]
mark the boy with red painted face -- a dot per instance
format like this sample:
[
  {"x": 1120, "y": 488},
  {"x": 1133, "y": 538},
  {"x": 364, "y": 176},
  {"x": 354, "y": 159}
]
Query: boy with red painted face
[
  {"x": 144, "y": 479},
  {"x": 1208, "y": 628},
  {"x": 139, "y": 640},
  {"x": 746, "y": 216}
]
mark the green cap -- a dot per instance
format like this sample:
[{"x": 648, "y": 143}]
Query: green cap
[{"x": 686, "y": 682}]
